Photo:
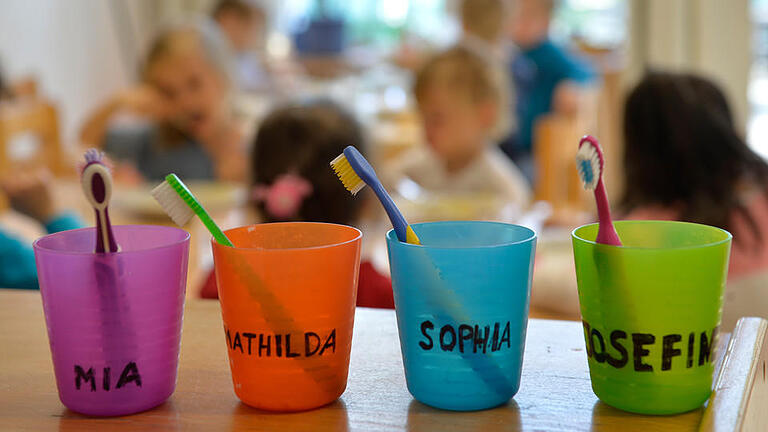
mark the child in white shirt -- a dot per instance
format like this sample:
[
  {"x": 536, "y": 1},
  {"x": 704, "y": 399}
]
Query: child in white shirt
[{"x": 461, "y": 99}]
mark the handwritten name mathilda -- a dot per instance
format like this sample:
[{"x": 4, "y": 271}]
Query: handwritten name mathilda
[{"x": 287, "y": 345}]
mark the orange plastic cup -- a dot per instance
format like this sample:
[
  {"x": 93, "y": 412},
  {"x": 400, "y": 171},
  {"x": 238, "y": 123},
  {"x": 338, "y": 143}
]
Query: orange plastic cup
[{"x": 288, "y": 294}]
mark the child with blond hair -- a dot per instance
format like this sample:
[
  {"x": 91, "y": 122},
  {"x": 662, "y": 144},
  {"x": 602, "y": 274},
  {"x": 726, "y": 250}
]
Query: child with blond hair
[
  {"x": 461, "y": 98},
  {"x": 482, "y": 25},
  {"x": 187, "y": 125}
]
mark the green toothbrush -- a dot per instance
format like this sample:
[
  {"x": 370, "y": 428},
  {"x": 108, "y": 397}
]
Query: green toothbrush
[{"x": 179, "y": 203}]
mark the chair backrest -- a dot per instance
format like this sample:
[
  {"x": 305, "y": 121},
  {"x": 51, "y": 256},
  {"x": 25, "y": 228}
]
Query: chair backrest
[
  {"x": 556, "y": 139},
  {"x": 29, "y": 135}
]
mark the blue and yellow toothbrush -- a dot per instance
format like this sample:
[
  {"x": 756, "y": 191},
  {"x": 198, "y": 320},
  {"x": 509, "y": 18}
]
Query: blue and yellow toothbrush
[{"x": 355, "y": 172}]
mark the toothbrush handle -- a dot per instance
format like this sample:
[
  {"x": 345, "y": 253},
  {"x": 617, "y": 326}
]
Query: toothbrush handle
[
  {"x": 398, "y": 221},
  {"x": 213, "y": 228},
  {"x": 111, "y": 245},
  {"x": 100, "y": 238},
  {"x": 606, "y": 233}
]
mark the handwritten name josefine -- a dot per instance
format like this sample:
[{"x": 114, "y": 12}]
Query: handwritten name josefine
[
  {"x": 286, "y": 345},
  {"x": 620, "y": 349}
]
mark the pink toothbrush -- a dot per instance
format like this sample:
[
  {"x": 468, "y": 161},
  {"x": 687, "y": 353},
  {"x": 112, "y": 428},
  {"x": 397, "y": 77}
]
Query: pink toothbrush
[{"x": 590, "y": 163}]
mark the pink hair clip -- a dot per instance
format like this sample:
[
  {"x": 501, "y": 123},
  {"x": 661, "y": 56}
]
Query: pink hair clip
[{"x": 283, "y": 198}]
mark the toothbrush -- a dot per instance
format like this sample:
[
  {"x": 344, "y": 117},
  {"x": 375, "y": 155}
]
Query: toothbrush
[
  {"x": 590, "y": 164},
  {"x": 608, "y": 261},
  {"x": 118, "y": 336},
  {"x": 355, "y": 173},
  {"x": 97, "y": 187},
  {"x": 180, "y": 205}
]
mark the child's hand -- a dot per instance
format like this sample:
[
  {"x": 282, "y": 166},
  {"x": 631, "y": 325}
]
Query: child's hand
[
  {"x": 30, "y": 194},
  {"x": 143, "y": 100}
]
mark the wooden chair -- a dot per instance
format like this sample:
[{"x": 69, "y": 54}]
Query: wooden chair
[
  {"x": 556, "y": 139},
  {"x": 555, "y": 143},
  {"x": 29, "y": 136},
  {"x": 25, "y": 87}
]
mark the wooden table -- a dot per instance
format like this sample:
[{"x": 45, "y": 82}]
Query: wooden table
[{"x": 555, "y": 393}]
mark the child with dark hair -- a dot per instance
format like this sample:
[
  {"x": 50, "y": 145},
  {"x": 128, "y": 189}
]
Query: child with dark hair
[
  {"x": 685, "y": 161},
  {"x": 293, "y": 180},
  {"x": 239, "y": 21}
]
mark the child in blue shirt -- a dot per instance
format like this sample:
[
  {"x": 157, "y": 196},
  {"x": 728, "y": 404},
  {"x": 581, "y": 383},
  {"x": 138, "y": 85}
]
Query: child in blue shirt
[
  {"x": 546, "y": 77},
  {"x": 30, "y": 195}
]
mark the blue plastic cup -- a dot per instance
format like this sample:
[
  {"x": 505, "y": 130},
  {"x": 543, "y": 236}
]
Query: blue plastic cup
[{"x": 461, "y": 300}]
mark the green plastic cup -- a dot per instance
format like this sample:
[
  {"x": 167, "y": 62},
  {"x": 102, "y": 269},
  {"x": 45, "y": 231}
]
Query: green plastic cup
[{"x": 651, "y": 310}]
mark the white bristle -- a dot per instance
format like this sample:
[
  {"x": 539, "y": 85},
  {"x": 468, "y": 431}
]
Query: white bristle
[
  {"x": 588, "y": 165},
  {"x": 172, "y": 204}
]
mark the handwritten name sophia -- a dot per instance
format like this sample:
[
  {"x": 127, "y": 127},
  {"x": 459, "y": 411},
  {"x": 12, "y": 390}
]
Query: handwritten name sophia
[
  {"x": 286, "y": 345},
  {"x": 465, "y": 337}
]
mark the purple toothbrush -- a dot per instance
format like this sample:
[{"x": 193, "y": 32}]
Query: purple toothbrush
[{"x": 97, "y": 186}]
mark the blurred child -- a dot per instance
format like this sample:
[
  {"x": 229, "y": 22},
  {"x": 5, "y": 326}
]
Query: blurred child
[
  {"x": 184, "y": 99},
  {"x": 684, "y": 160},
  {"x": 243, "y": 24},
  {"x": 482, "y": 24},
  {"x": 461, "y": 100},
  {"x": 293, "y": 180},
  {"x": 546, "y": 77},
  {"x": 30, "y": 194}
]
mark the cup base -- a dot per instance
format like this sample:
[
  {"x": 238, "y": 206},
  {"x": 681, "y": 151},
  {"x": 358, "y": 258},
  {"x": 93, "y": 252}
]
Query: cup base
[
  {"x": 642, "y": 401},
  {"x": 285, "y": 408},
  {"x": 452, "y": 404},
  {"x": 115, "y": 412}
]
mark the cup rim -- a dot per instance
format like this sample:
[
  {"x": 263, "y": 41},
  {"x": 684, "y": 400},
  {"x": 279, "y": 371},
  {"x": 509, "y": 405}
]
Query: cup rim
[
  {"x": 391, "y": 237},
  {"x": 357, "y": 237},
  {"x": 38, "y": 247},
  {"x": 728, "y": 235}
]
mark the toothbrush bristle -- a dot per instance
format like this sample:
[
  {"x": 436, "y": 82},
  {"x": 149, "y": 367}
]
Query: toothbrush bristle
[
  {"x": 351, "y": 181},
  {"x": 172, "y": 204},
  {"x": 93, "y": 156},
  {"x": 588, "y": 165}
]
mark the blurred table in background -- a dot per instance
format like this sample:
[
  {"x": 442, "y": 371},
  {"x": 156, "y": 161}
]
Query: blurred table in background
[
  {"x": 227, "y": 205},
  {"x": 135, "y": 206}
]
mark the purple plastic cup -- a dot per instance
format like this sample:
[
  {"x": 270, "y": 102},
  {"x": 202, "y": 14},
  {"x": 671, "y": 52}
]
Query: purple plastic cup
[{"x": 114, "y": 320}]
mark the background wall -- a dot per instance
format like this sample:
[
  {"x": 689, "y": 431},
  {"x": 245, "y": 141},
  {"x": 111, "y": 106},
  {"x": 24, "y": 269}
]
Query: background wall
[
  {"x": 712, "y": 37},
  {"x": 83, "y": 50},
  {"x": 73, "y": 49}
]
